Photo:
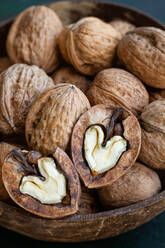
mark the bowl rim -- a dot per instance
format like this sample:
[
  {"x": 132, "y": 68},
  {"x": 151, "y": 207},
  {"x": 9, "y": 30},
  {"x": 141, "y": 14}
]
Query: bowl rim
[{"x": 117, "y": 211}]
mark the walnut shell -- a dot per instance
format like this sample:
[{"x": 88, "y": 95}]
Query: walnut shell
[
  {"x": 12, "y": 174},
  {"x": 142, "y": 51},
  {"x": 32, "y": 38},
  {"x": 5, "y": 148},
  {"x": 20, "y": 86},
  {"x": 153, "y": 135},
  {"x": 102, "y": 114},
  {"x": 118, "y": 87},
  {"x": 138, "y": 184},
  {"x": 51, "y": 119},
  {"x": 156, "y": 95},
  {"x": 89, "y": 45},
  {"x": 5, "y": 63},
  {"x": 70, "y": 76},
  {"x": 122, "y": 26}
]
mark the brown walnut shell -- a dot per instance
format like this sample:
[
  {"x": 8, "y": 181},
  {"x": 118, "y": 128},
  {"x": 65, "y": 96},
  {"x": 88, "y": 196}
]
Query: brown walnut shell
[
  {"x": 51, "y": 119},
  {"x": 12, "y": 176},
  {"x": 138, "y": 184},
  {"x": 118, "y": 87},
  {"x": 153, "y": 135},
  {"x": 32, "y": 38},
  {"x": 5, "y": 148},
  {"x": 142, "y": 51},
  {"x": 89, "y": 45},
  {"x": 101, "y": 114},
  {"x": 20, "y": 86},
  {"x": 122, "y": 26},
  {"x": 156, "y": 95},
  {"x": 70, "y": 76},
  {"x": 5, "y": 63}
]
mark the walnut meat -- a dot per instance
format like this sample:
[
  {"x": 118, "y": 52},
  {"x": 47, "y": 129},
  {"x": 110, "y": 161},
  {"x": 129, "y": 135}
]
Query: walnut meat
[
  {"x": 122, "y": 26},
  {"x": 20, "y": 86},
  {"x": 118, "y": 87},
  {"x": 5, "y": 63},
  {"x": 89, "y": 45},
  {"x": 142, "y": 51},
  {"x": 51, "y": 119},
  {"x": 32, "y": 38},
  {"x": 153, "y": 135},
  {"x": 69, "y": 75},
  {"x": 138, "y": 184}
]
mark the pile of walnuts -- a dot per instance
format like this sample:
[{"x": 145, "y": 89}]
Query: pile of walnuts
[{"x": 84, "y": 101}]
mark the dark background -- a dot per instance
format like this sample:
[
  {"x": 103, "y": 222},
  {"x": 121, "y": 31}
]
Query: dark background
[{"x": 151, "y": 234}]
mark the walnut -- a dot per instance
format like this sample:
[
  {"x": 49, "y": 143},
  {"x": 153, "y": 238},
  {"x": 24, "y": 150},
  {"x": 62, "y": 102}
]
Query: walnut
[
  {"x": 49, "y": 188},
  {"x": 153, "y": 135},
  {"x": 122, "y": 26},
  {"x": 51, "y": 119},
  {"x": 118, "y": 87},
  {"x": 20, "y": 86},
  {"x": 32, "y": 38},
  {"x": 142, "y": 51},
  {"x": 138, "y": 184},
  {"x": 105, "y": 143},
  {"x": 156, "y": 95},
  {"x": 5, "y": 63},
  {"x": 69, "y": 75},
  {"x": 89, "y": 45}
]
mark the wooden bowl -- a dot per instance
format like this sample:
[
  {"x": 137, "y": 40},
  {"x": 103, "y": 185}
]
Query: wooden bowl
[{"x": 92, "y": 226}]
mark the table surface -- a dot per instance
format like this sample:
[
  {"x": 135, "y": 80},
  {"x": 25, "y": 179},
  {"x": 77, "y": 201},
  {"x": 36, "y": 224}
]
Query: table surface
[{"x": 151, "y": 234}]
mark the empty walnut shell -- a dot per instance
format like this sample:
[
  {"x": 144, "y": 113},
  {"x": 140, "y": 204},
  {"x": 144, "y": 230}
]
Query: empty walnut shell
[
  {"x": 138, "y": 184},
  {"x": 89, "y": 45},
  {"x": 102, "y": 115},
  {"x": 118, "y": 87},
  {"x": 153, "y": 135},
  {"x": 142, "y": 51},
  {"x": 122, "y": 26},
  {"x": 5, "y": 148},
  {"x": 69, "y": 75},
  {"x": 156, "y": 95},
  {"x": 32, "y": 38},
  {"x": 5, "y": 63},
  {"x": 13, "y": 173},
  {"x": 51, "y": 119},
  {"x": 20, "y": 86}
]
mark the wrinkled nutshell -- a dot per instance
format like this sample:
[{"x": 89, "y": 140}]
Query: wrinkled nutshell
[
  {"x": 20, "y": 86},
  {"x": 69, "y": 75},
  {"x": 51, "y": 119},
  {"x": 138, "y": 184},
  {"x": 89, "y": 45},
  {"x": 118, "y": 87},
  {"x": 152, "y": 122},
  {"x": 113, "y": 121},
  {"x": 5, "y": 148},
  {"x": 122, "y": 26},
  {"x": 5, "y": 63},
  {"x": 142, "y": 51},
  {"x": 30, "y": 185},
  {"x": 33, "y": 36}
]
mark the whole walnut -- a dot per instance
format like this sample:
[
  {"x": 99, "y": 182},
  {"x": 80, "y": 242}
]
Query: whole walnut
[
  {"x": 32, "y": 38},
  {"x": 153, "y": 135},
  {"x": 118, "y": 87},
  {"x": 20, "y": 86},
  {"x": 51, "y": 118},
  {"x": 89, "y": 45},
  {"x": 122, "y": 26},
  {"x": 138, "y": 184},
  {"x": 68, "y": 75},
  {"x": 142, "y": 51},
  {"x": 5, "y": 63}
]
